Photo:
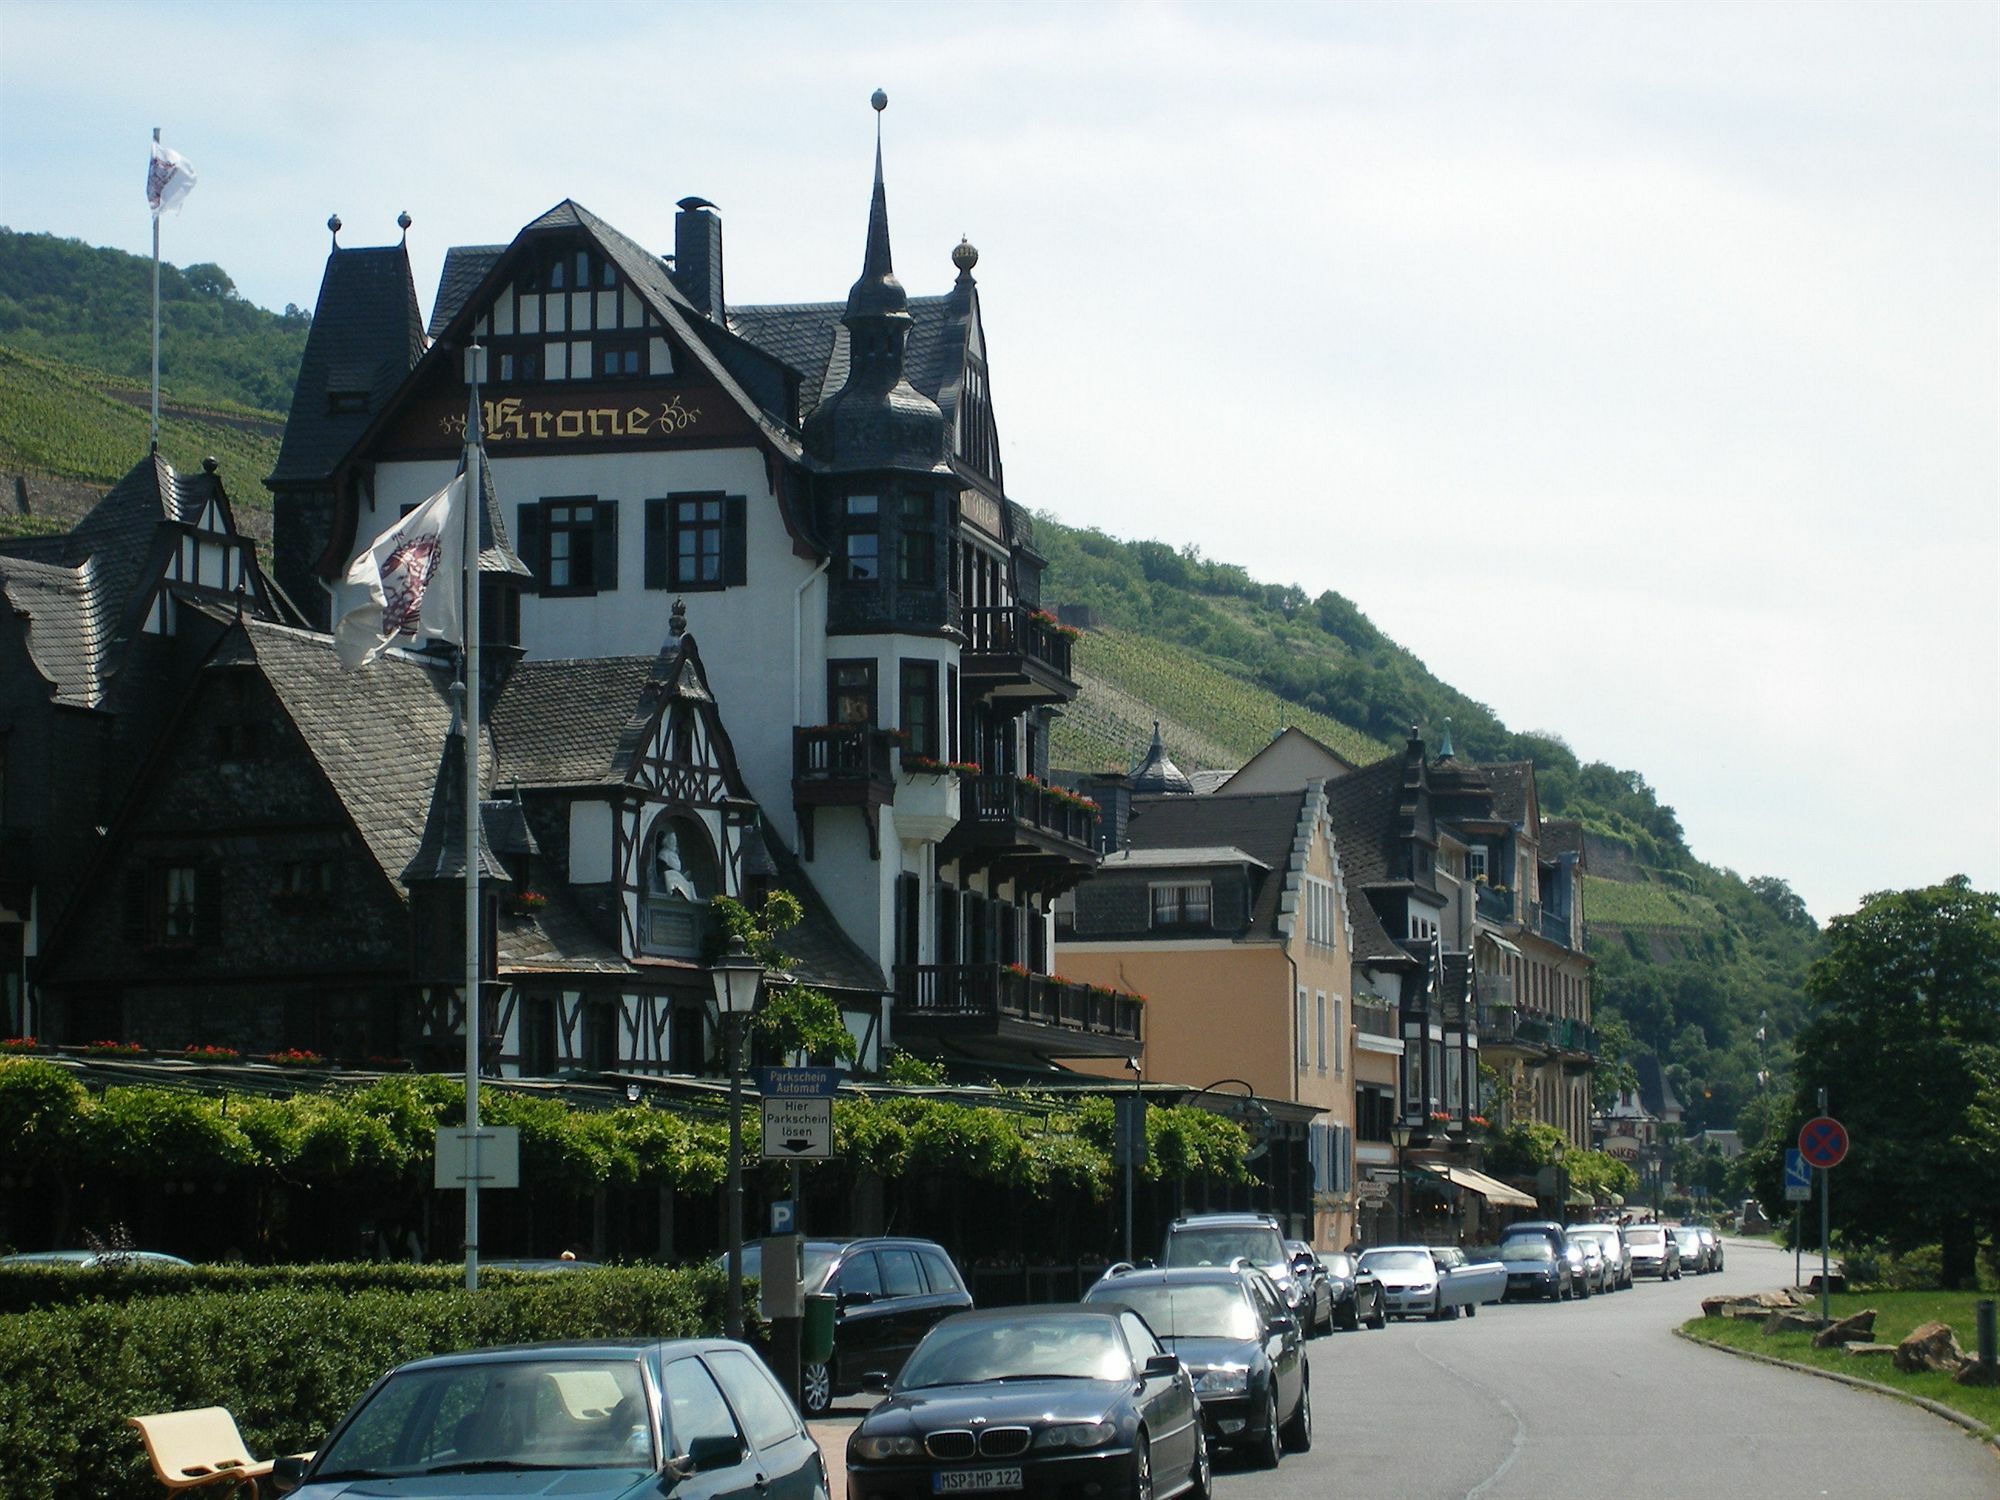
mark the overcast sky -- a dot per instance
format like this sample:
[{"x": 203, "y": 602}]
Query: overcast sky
[{"x": 1636, "y": 366}]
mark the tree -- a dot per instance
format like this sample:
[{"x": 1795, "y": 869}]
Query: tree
[
  {"x": 793, "y": 1019},
  {"x": 1903, "y": 1012}
]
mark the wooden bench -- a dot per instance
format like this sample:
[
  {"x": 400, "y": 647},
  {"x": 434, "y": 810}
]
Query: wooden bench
[{"x": 193, "y": 1448}]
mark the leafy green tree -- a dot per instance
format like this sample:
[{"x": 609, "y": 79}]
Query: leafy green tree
[
  {"x": 794, "y": 1018},
  {"x": 1904, "y": 1014}
]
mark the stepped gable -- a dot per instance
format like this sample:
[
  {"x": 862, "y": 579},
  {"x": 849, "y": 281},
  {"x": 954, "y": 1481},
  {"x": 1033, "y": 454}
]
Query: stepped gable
[
  {"x": 367, "y": 335},
  {"x": 1260, "y": 824}
]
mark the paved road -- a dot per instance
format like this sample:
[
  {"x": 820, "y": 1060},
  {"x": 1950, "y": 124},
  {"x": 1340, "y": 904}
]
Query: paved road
[
  {"x": 1594, "y": 1400},
  {"x": 1597, "y": 1399}
]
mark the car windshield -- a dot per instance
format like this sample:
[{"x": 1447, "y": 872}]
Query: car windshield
[
  {"x": 819, "y": 1263},
  {"x": 1526, "y": 1250},
  {"x": 1186, "y": 1312},
  {"x": 1017, "y": 1348},
  {"x": 1648, "y": 1237},
  {"x": 1396, "y": 1260},
  {"x": 496, "y": 1415},
  {"x": 1219, "y": 1246},
  {"x": 1337, "y": 1264}
]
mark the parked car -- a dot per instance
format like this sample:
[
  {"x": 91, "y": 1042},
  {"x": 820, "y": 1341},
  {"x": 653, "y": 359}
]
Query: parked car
[
  {"x": 1546, "y": 1229},
  {"x": 1038, "y": 1402},
  {"x": 888, "y": 1293},
  {"x": 1581, "y": 1276},
  {"x": 1611, "y": 1240},
  {"x": 1534, "y": 1269},
  {"x": 623, "y": 1418},
  {"x": 1596, "y": 1269},
  {"x": 1218, "y": 1239},
  {"x": 1714, "y": 1240},
  {"x": 1245, "y": 1352},
  {"x": 1694, "y": 1251},
  {"x": 1357, "y": 1295},
  {"x": 1409, "y": 1279},
  {"x": 1464, "y": 1283},
  {"x": 1316, "y": 1287},
  {"x": 1654, "y": 1252},
  {"x": 98, "y": 1260}
]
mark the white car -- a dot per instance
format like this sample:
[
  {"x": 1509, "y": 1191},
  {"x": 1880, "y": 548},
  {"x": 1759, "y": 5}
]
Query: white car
[{"x": 1409, "y": 1279}]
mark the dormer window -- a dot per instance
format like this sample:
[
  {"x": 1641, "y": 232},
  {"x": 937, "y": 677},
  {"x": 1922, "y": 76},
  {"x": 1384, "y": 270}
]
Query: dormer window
[{"x": 1184, "y": 904}]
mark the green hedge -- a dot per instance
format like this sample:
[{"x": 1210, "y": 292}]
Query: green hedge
[
  {"x": 27, "y": 1288},
  {"x": 286, "y": 1359}
]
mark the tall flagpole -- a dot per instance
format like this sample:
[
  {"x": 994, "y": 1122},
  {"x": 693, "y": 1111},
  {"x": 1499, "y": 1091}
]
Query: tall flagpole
[
  {"x": 475, "y": 504},
  {"x": 156, "y": 319}
]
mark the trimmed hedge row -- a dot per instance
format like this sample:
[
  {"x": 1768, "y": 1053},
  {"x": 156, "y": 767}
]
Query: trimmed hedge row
[
  {"x": 28, "y": 1288},
  {"x": 287, "y": 1360}
]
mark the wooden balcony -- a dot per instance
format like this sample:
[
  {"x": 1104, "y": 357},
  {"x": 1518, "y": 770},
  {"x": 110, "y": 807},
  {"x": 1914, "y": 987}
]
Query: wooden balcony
[
  {"x": 1012, "y": 656},
  {"x": 1025, "y": 830},
  {"x": 998, "y": 1009},
  {"x": 843, "y": 765}
]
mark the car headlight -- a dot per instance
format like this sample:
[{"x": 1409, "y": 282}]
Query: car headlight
[
  {"x": 1223, "y": 1380},
  {"x": 1076, "y": 1435},
  {"x": 903, "y": 1446},
  {"x": 1423, "y": 1289}
]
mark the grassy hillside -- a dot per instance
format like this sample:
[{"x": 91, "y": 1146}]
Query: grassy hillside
[
  {"x": 67, "y": 434},
  {"x": 1690, "y": 958},
  {"x": 63, "y": 299}
]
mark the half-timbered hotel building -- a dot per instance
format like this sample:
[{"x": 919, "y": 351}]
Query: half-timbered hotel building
[{"x": 814, "y": 494}]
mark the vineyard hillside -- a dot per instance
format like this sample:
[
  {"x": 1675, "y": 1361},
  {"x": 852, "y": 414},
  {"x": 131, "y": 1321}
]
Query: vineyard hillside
[{"x": 67, "y": 434}]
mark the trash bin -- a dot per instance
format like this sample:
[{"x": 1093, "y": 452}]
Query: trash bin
[{"x": 816, "y": 1337}]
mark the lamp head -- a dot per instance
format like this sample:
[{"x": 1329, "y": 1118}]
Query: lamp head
[{"x": 737, "y": 977}]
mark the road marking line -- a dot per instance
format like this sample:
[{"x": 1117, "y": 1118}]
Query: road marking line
[{"x": 1520, "y": 1424}]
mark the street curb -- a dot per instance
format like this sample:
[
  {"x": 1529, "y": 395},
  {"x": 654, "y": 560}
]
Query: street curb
[{"x": 1936, "y": 1408}]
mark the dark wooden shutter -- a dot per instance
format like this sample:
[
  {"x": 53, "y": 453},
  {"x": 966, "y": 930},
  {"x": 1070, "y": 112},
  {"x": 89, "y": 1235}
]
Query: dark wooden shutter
[
  {"x": 528, "y": 537},
  {"x": 135, "y": 907},
  {"x": 656, "y": 544},
  {"x": 606, "y": 518},
  {"x": 735, "y": 565}
]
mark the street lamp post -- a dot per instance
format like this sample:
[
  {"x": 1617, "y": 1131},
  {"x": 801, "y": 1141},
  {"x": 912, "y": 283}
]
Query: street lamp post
[
  {"x": 1556, "y": 1154},
  {"x": 1399, "y": 1135},
  {"x": 737, "y": 977}
]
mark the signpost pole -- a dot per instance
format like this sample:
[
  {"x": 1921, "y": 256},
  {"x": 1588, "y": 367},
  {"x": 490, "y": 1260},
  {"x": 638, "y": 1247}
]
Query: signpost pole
[{"x": 1825, "y": 1218}]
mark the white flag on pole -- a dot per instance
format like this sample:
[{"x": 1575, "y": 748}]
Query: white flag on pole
[
  {"x": 406, "y": 584},
  {"x": 168, "y": 179}
]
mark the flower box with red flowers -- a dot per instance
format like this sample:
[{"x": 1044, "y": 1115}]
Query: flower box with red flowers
[
  {"x": 20, "y": 1044},
  {"x": 112, "y": 1049},
  {"x": 210, "y": 1054},
  {"x": 298, "y": 1057}
]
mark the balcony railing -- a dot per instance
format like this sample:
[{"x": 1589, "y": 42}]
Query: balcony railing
[
  {"x": 1375, "y": 1020},
  {"x": 1553, "y": 925},
  {"x": 842, "y": 753},
  {"x": 982, "y": 995},
  {"x": 997, "y": 800},
  {"x": 1496, "y": 906},
  {"x": 1495, "y": 988},
  {"x": 1014, "y": 630}
]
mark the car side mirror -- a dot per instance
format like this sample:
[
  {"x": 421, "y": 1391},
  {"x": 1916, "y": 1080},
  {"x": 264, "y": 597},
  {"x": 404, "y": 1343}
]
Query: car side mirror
[
  {"x": 854, "y": 1299},
  {"x": 875, "y": 1382},
  {"x": 1161, "y": 1366},
  {"x": 716, "y": 1451},
  {"x": 287, "y": 1473}
]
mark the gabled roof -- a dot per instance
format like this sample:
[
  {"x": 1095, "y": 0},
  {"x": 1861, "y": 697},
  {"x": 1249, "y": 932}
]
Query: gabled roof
[
  {"x": 1260, "y": 824},
  {"x": 367, "y": 335},
  {"x": 810, "y": 338},
  {"x": 465, "y": 266},
  {"x": 1513, "y": 783},
  {"x": 1363, "y": 809},
  {"x": 558, "y": 723},
  {"x": 82, "y": 596}
]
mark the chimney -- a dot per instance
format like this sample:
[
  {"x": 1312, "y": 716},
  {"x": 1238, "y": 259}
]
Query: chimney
[{"x": 698, "y": 255}]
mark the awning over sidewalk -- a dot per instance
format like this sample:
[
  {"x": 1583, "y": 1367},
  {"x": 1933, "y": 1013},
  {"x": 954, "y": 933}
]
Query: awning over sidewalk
[{"x": 1491, "y": 1189}]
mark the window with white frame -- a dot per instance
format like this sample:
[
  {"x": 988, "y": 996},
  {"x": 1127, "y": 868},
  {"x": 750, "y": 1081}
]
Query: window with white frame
[
  {"x": 1339, "y": 1039},
  {"x": 1475, "y": 861},
  {"x": 1319, "y": 911},
  {"x": 1184, "y": 904},
  {"x": 1319, "y": 1009}
]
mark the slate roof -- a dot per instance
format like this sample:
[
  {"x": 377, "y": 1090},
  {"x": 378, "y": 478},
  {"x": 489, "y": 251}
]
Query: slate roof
[
  {"x": 1156, "y": 773},
  {"x": 367, "y": 335},
  {"x": 465, "y": 266},
  {"x": 822, "y": 952},
  {"x": 1561, "y": 836},
  {"x": 1513, "y": 784},
  {"x": 810, "y": 338},
  {"x": 82, "y": 595},
  {"x": 1175, "y": 858},
  {"x": 1261, "y": 824},
  {"x": 558, "y": 723},
  {"x": 1204, "y": 782},
  {"x": 375, "y": 732},
  {"x": 1363, "y": 807},
  {"x": 440, "y": 855}
]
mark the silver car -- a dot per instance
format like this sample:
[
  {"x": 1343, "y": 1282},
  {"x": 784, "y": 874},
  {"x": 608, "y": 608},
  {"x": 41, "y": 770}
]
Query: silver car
[{"x": 1611, "y": 1240}]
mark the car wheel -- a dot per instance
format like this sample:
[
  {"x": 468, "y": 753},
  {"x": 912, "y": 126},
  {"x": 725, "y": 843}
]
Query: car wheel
[
  {"x": 1299, "y": 1431},
  {"x": 1270, "y": 1442},
  {"x": 1436, "y": 1314},
  {"x": 1349, "y": 1314},
  {"x": 1380, "y": 1317},
  {"x": 1142, "y": 1468},
  {"x": 816, "y": 1389},
  {"x": 1472, "y": 1309},
  {"x": 1201, "y": 1478}
]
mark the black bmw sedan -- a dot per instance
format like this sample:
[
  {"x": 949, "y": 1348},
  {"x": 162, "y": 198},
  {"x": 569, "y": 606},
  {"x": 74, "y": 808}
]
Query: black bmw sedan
[{"x": 1035, "y": 1401}]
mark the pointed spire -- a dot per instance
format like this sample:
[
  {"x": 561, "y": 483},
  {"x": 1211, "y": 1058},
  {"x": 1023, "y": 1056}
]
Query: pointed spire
[
  {"x": 440, "y": 854},
  {"x": 878, "y": 294},
  {"x": 1444, "y": 745},
  {"x": 1157, "y": 775}
]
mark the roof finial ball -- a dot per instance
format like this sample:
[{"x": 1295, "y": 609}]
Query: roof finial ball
[
  {"x": 880, "y": 100},
  {"x": 404, "y": 221},
  {"x": 333, "y": 226},
  {"x": 965, "y": 256}
]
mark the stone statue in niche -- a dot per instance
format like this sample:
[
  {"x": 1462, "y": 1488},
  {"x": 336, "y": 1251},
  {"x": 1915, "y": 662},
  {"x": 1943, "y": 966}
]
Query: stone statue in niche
[{"x": 669, "y": 877}]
